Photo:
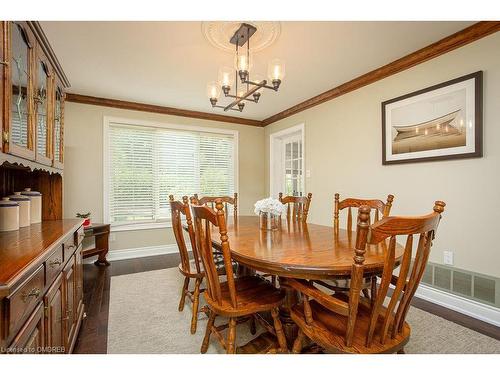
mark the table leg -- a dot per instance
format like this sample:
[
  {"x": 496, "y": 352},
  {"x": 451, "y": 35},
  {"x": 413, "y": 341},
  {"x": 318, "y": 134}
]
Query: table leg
[
  {"x": 102, "y": 243},
  {"x": 291, "y": 298}
]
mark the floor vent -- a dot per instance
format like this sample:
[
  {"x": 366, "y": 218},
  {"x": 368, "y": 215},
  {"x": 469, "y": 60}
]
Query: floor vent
[{"x": 471, "y": 285}]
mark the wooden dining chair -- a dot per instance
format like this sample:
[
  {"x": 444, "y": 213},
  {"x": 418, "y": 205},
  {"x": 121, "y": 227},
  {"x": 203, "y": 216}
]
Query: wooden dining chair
[
  {"x": 348, "y": 322},
  {"x": 210, "y": 201},
  {"x": 379, "y": 207},
  {"x": 235, "y": 297},
  {"x": 189, "y": 268},
  {"x": 297, "y": 207}
]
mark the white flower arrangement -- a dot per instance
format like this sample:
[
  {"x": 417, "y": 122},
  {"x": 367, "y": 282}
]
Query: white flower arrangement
[{"x": 269, "y": 205}]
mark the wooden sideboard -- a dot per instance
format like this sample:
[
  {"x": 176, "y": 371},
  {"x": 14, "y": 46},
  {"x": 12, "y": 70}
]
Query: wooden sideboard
[{"x": 41, "y": 287}]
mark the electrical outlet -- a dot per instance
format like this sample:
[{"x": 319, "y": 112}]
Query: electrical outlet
[
  {"x": 112, "y": 237},
  {"x": 448, "y": 257}
]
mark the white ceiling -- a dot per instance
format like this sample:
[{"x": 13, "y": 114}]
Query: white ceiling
[{"x": 170, "y": 63}]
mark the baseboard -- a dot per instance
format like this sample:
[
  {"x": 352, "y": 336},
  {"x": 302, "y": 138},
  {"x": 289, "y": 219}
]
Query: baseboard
[
  {"x": 480, "y": 311},
  {"x": 139, "y": 252}
]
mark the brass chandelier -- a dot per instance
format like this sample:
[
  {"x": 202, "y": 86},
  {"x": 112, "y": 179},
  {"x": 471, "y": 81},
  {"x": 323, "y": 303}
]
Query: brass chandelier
[{"x": 248, "y": 89}]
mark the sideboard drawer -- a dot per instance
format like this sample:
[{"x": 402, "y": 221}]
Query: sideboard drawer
[
  {"x": 54, "y": 264},
  {"x": 24, "y": 299},
  {"x": 79, "y": 234},
  {"x": 69, "y": 246}
]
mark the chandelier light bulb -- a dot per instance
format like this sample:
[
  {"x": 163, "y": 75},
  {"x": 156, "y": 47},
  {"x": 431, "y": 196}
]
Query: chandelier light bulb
[
  {"x": 213, "y": 90},
  {"x": 242, "y": 62},
  {"x": 276, "y": 70},
  {"x": 226, "y": 76}
]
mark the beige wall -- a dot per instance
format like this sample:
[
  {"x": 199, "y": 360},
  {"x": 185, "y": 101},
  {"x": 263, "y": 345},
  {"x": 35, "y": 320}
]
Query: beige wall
[
  {"x": 343, "y": 153},
  {"x": 83, "y": 171}
]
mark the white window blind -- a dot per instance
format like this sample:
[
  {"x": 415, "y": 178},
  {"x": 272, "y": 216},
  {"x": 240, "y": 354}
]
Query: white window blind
[{"x": 147, "y": 164}]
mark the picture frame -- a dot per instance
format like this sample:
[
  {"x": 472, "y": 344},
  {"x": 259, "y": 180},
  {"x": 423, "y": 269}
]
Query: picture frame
[{"x": 440, "y": 122}]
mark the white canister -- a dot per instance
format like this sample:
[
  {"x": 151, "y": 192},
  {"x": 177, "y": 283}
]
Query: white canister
[
  {"x": 24, "y": 208},
  {"x": 9, "y": 215},
  {"x": 36, "y": 205}
]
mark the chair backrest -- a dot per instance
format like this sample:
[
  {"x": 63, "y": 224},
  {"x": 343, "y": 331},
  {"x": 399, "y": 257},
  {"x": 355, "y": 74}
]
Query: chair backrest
[
  {"x": 210, "y": 201},
  {"x": 376, "y": 205},
  {"x": 297, "y": 207},
  {"x": 389, "y": 320},
  {"x": 204, "y": 218},
  {"x": 182, "y": 208}
]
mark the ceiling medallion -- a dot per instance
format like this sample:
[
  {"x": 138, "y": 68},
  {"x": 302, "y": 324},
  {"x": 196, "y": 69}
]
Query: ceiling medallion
[
  {"x": 219, "y": 33},
  {"x": 240, "y": 79}
]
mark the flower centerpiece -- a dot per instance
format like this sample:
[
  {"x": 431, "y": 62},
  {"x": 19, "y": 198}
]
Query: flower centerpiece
[{"x": 269, "y": 211}]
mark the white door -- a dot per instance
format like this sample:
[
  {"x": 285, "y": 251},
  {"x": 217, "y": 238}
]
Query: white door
[{"x": 287, "y": 162}]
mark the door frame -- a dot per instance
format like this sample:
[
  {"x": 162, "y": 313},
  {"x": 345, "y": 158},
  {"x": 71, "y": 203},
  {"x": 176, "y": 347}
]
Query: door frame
[{"x": 275, "y": 149}]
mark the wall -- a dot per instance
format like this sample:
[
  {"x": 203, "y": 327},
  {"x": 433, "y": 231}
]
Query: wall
[
  {"x": 343, "y": 153},
  {"x": 83, "y": 169}
]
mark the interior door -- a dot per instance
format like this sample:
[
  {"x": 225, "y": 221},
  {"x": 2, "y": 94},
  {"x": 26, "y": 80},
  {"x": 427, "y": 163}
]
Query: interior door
[
  {"x": 287, "y": 162},
  {"x": 292, "y": 180}
]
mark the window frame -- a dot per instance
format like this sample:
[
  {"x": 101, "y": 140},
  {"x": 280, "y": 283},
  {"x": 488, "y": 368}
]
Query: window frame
[{"x": 109, "y": 120}]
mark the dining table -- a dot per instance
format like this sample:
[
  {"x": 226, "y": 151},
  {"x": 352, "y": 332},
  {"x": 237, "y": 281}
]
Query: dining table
[{"x": 296, "y": 250}]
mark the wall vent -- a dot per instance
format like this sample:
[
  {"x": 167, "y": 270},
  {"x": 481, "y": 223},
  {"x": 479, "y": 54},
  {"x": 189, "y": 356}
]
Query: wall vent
[{"x": 467, "y": 284}]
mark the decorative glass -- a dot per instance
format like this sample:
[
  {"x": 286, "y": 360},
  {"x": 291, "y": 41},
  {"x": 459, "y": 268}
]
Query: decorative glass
[
  {"x": 269, "y": 221},
  {"x": 41, "y": 109},
  {"x": 20, "y": 94}
]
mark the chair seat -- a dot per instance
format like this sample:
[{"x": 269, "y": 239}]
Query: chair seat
[
  {"x": 254, "y": 295},
  {"x": 219, "y": 263},
  {"x": 328, "y": 330}
]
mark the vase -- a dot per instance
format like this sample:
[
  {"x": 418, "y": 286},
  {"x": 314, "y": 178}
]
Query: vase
[{"x": 269, "y": 221}]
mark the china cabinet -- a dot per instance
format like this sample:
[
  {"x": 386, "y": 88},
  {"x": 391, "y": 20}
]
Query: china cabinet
[
  {"x": 32, "y": 96},
  {"x": 41, "y": 277}
]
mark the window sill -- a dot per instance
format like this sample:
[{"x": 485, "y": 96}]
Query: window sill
[{"x": 140, "y": 226}]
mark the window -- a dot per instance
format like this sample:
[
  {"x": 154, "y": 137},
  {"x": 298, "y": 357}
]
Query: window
[{"x": 145, "y": 163}]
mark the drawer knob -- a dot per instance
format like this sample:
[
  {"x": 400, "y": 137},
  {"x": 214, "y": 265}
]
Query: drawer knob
[
  {"x": 55, "y": 262},
  {"x": 35, "y": 292}
]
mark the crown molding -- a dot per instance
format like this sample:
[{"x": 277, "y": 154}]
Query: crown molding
[
  {"x": 461, "y": 38},
  {"x": 134, "y": 106}
]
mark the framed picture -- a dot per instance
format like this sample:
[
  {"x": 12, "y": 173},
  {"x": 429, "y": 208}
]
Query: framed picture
[{"x": 441, "y": 122}]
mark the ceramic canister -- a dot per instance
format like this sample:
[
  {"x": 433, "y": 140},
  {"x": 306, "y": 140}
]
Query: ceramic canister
[
  {"x": 24, "y": 208},
  {"x": 36, "y": 205},
  {"x": 9, "y": 215}
]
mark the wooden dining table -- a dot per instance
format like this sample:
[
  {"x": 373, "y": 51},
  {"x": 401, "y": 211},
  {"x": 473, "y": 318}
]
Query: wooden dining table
[{"x": 297, "y": 250}]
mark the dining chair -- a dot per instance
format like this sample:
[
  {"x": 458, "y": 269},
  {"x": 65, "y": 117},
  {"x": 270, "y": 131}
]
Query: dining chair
[
  {"x": 233, "y": 298},
  {"x": 350, "y": 323},
  {"x": 380, "y": 210},
  {"x": 210, "y": 201},
  {"x": 378, "y": 206},
  {"x": 189, "y": 268},
  {"x": 297, "y": 207}
]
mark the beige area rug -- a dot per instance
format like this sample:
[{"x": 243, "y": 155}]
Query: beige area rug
[{"x": 143, "y": 318}]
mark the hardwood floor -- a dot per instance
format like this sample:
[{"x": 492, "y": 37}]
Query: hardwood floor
[{"x": 94, "y": 332}]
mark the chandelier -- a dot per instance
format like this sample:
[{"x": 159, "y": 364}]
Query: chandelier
[{"x": 248, "y": 89}]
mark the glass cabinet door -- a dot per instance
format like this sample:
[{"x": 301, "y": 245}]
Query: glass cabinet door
[
  {"x": 42, "y": 101},
  {"x": 21, "y": 140},
  {"x": 58, "y": 127}
]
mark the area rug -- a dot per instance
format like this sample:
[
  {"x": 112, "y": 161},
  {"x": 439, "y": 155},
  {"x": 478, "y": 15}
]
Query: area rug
[{"x": 143, "y": 318}]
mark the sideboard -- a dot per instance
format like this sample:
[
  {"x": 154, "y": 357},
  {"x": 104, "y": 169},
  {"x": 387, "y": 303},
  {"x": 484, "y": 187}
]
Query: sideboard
[{"x": 41, "y": 287}]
